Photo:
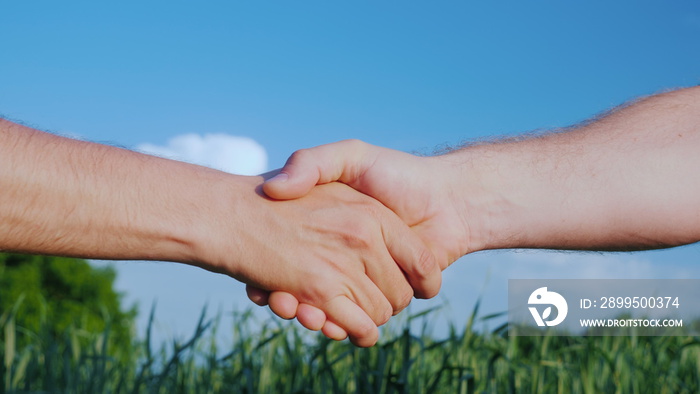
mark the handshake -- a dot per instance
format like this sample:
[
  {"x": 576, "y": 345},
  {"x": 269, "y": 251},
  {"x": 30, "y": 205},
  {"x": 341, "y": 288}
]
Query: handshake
[
  {"x": 625, "y": 181},
  {"x": 342, "y": 238},
  {"x": 373, "y": 228},
  {"x": 346, "y": 234}
]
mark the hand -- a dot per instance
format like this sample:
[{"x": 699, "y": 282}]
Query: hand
[
  {"x": 414, "y": 187},
  {"x": 337, "y": 250}
]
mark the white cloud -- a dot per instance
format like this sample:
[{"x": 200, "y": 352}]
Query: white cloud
[{"x": 237, "y": 155}]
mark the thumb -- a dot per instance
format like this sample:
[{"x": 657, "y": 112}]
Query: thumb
[{"x": 305, "y": 168}]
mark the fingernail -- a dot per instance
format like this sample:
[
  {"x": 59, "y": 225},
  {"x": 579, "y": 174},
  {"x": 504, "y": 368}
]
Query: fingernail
[{"x": 281, "y": 177}]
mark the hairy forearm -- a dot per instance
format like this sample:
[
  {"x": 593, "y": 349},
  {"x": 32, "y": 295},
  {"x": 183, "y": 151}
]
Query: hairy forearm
[
  {"x": 66, "y": 197},
  {"x": 335, "y": 249},
  {"x": 627, "y": 181}
]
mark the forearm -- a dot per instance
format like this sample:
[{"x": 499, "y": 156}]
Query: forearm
[
  {"x": 630, "y": 180},
  {"x": 335, "y": 249},
  {"x": 66, "y": 197}
]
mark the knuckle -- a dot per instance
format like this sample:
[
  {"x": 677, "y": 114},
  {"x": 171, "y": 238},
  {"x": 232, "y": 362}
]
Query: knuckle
[
  {"x": 428, "y": 272},
  {"x": 365, "y": 330},
  {"x": 359, "y": 237},
  {"x": 354, "y": 143},
  {"x": 426, "y": 264},
  {"x": 320, "y": 289},
  {"x": 431, "y": 292},
  {"x": 379, "y": 310},
  {"x": 384, "y": 314},
  {"x": 404, "y": 300},
  {"x": 300, "y": 156},
  {"x": 355, "y": 147}
]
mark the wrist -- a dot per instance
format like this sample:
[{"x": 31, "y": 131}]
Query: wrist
[
  {"x": 177, "y": 210},
  {"x": 462, "y": 201},
  {"x": 482, "y": 184},
  {"x": 222, "y": 209}
]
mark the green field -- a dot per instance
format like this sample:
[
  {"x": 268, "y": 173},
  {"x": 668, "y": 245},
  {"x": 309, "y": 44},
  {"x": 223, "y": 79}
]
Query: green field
[{"x": 279, "y": 357}]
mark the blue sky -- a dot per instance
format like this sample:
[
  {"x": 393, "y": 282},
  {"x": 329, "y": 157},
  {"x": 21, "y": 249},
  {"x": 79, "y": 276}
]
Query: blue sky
[{"x": 405, "y": 75}]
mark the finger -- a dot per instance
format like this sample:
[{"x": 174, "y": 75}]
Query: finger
[
  {"x": 258, "y": 296},
  {"x": 348, "y": 315},
  {"x": 334, "y": 331},
  {"x": 381, "y": 269},
  {"x": 415, "y": 259},
  {"x": 283, "y": 304},
  {"x": 344, "y": 161},
  {"x": 311, "y": 317},
  {"x": 315, "y": 319},
  {"x": 370, "y": 299}
]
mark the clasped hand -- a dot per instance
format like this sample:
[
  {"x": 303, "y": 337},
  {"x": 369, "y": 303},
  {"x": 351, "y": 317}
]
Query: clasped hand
[{"x": 396, "y": 253}]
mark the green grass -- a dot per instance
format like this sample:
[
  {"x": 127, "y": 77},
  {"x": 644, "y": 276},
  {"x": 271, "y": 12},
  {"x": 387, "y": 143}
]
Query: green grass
[{"x": 277, "y": 356}]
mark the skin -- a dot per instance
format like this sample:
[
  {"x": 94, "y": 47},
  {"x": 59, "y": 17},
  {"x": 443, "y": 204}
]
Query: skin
[
  {"x": 626, "y": 181},
  {"x": 335, "y": 249}
]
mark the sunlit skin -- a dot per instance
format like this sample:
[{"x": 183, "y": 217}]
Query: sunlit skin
[
  {"x": 335, "y": 249},
  {"x": 628, "y": 180}
]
